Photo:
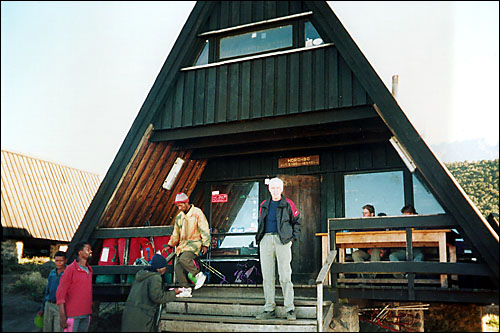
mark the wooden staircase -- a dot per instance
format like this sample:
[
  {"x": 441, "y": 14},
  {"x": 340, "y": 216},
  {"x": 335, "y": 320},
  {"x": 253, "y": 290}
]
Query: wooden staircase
[{"x": 232, "y": 308}]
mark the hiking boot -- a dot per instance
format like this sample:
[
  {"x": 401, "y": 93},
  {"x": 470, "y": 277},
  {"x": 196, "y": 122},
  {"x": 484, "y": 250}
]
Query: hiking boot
[
  {"x": 290, "y": 315},
  {"x": 200, "y": 280},
  {"x": 266, "y": 315},
  {"x": 186, "y": 292}
]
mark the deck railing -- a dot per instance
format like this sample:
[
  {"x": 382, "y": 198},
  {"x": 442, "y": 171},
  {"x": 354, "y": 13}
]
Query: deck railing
[
  {"x": 320, "y": 281},
  {"x": 408, "y": 223}
]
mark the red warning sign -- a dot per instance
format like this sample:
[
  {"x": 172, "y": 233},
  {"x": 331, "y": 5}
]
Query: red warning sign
[{"x": 219, "y": 198}]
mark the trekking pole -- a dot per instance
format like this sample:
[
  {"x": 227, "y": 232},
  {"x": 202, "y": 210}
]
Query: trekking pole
[
  {"x": 157, "y": 321},
  {"x": 216, "y": 272}
]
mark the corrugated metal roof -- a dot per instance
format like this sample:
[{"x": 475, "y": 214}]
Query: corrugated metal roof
[{"x": 42, "y": 199}]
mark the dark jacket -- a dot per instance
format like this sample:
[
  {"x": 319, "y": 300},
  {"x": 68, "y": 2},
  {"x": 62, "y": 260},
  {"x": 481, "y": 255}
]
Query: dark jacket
[
  {"x": 288, "y": 219},
  {"x": 145, "y": 296}
]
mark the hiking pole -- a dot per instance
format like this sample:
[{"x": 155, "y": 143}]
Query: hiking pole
[
  {"x": 216, "y": 272},
  {"x": 157, "y": 321},
  {"x": 160, "y": 307}
]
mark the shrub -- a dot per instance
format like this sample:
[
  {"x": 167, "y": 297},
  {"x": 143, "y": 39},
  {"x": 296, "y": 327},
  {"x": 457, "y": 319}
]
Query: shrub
[
  {"x": 31, "y": 284},
  {"x": 46, "y": 268}
]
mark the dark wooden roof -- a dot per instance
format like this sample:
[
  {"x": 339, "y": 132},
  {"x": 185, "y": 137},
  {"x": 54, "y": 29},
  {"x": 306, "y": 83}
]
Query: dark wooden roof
[{"x": 173, "y": 108}]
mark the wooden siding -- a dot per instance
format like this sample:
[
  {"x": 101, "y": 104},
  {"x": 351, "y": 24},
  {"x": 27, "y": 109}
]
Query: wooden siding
[
  {"x": 44, "y": 200},
  {"x": 304, "y": 81},
  {"x": 357, "y": 158},
  {"x": 233, "y": 13},
  {"x": 334, "y": 163},
  {"x": 140, "y": 196}
]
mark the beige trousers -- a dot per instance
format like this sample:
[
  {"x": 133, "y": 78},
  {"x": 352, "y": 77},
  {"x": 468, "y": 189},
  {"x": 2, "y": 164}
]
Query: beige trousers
[{"x": 271, "y": 250}]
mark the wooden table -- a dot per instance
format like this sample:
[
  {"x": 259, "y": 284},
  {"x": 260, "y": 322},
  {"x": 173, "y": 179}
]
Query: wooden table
[{"x": 391, "y": 238}]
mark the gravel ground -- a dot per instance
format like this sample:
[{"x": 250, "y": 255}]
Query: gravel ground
[{"x": 18, "y": 311}]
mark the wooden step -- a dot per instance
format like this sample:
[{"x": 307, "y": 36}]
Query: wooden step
[
  {"x": 298, "y": 301},
  {"x": 233, "y": 308},
  {"x": 246, "y": 291},
  {"x": 204, "y": 323},
  {"x": 304, "y": 308}
]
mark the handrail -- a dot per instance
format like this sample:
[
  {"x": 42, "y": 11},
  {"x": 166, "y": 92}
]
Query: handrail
[
  {"x": 125, "y": 269},
  {"x": 320, "y": 280},
  {"x": 391, "y": 222}
]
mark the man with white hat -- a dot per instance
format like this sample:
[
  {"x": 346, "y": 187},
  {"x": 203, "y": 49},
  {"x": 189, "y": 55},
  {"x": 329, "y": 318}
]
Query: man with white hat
[{"x": 191, "y": 235}]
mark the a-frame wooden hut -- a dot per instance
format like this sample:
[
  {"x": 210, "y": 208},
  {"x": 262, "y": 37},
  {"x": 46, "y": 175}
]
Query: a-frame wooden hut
[{"x": 257, "y": 89}]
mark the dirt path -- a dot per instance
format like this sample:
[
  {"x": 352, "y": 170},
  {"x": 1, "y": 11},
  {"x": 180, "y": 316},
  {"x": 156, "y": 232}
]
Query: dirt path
[{"x": 18, "y": 311}]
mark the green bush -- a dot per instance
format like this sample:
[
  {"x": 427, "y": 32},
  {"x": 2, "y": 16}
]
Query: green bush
[
  {"x": 31, "y": 284},
  {"x": 480, "y": 181}
]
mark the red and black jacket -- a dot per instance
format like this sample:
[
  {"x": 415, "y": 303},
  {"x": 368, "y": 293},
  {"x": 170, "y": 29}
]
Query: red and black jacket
[{"x": 287, "y": 216}]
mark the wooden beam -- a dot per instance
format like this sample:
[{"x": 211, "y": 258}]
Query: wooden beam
[
  {"x": 373, "y": 125},
  {"x": 390, "y": 222},
  {"x": 412, "y": 267},
  {"x": 102, "y": 233},
  {"x": 288, "y": 145},
  {"x": 422, "y": 294},
  {"x": 271, "y": 123},
  {"x": 123, "y": 269}
]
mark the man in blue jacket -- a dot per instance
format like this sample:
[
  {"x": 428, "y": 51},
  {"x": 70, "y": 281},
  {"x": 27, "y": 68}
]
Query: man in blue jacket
[
  {"x": 279, "y": 225},
  {"x": 49, "y": 309}
]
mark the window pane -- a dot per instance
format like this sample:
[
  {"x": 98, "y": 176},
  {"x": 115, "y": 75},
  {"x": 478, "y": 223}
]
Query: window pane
[
  {"x": 425, "y": 202},
  {"x": 238, "y": 215},
  {"x": 203, "y": 58},
  {"x": 383, "y": 190},
  {"x": 312, "y": 37},
  {"x": 256, "y": 41}
]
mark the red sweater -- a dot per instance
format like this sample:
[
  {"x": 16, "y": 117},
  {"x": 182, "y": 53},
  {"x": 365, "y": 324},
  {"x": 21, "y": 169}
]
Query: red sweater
[{"x": 75, "y": 290}]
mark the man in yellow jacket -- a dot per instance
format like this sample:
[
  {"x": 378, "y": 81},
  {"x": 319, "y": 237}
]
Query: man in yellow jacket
[{"x": 191, "y": 235}]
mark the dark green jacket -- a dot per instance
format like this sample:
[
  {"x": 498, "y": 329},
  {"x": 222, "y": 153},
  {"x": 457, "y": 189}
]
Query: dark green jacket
[{"x": 145, "y": 296}]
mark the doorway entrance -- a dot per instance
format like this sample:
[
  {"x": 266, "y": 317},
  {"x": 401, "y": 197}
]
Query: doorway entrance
[{"x": 304, "y": 191}]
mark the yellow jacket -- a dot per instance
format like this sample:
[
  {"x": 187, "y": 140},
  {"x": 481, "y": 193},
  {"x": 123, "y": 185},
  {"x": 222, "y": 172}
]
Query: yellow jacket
[{"x": 191, "y": 231}]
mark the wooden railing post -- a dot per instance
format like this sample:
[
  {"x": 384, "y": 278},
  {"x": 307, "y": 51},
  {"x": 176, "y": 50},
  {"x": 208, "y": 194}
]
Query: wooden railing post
[{"x": 320, "y": 280}]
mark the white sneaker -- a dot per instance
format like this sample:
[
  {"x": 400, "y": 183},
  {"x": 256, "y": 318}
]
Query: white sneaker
[
  {"x": 200, "y": 280},
  {"x": 186, "y": 292}
]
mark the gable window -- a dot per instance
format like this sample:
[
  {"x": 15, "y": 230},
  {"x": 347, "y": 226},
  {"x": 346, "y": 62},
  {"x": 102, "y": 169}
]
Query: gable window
[
  {"x": 271, "y": 37},
  {"x": 312, "y": 37},
  {"x": 203, "y": 57},
  {"x": 256, "y": 42}
]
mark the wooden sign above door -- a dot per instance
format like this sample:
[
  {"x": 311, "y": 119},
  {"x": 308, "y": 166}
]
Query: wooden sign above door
[{"x": 293, "y": 162}]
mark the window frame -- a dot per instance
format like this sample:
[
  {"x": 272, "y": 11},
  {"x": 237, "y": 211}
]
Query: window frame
[{"x": 297, "y": 21}]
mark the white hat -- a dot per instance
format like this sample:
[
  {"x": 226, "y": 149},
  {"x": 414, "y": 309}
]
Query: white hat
[{"x": 180, "y": 198}]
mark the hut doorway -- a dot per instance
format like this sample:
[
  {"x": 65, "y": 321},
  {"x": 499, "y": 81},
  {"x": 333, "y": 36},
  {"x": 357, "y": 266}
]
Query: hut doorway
[{"x": 304, "y": 191}]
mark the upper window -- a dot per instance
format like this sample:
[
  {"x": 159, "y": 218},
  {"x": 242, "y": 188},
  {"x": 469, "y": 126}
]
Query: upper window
[
  {"x": 203, "y": 57},
  {"x": 256, "y": 42},
  {"x": 383, "y": 190},
  {"x": 282, "y": 34},
  {"x": 312, "y": 37}
]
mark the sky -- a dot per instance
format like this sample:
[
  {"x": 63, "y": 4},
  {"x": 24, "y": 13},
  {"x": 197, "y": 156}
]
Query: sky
[{"x": 74, "y": 75}]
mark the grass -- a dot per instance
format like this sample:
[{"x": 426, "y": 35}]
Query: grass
[
  {"x": 32, "y": 276},
  {"x": 31, "y": 284}
]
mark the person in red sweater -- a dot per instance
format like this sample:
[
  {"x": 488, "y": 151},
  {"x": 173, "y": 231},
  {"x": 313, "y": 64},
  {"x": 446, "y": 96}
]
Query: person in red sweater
[{"x": 74, "y": 294}]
